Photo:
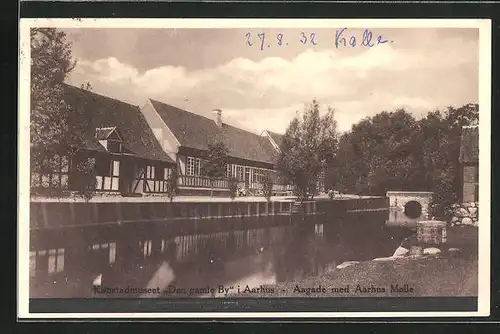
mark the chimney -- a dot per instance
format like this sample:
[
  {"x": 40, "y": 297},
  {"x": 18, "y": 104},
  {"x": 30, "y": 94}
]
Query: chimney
[{"x": 218, "y": 117}]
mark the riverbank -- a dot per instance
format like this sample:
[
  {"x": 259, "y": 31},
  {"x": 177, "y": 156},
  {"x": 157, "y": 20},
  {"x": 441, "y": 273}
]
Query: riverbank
[{"x": 449, "y": 273}]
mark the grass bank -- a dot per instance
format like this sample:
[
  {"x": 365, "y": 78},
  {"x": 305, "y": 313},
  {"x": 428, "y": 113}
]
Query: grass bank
[{"x": 445, "y": 274}]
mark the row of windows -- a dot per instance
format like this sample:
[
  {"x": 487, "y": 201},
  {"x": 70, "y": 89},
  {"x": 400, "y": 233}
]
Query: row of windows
[
  {"x": 55, "y": 177},
  {"x": 241, "y": 173},
  {"x": 157, "y": 172}
]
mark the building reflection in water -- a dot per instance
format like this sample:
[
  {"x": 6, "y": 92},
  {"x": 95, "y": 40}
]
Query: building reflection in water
[{"x": 253, "y": 257}]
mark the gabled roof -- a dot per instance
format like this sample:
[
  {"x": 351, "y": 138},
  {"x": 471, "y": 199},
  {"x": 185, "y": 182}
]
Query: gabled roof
[
  {"x": 469, "y": 145},
  {"x": 92, "y": 111},
  {"x": 196, "y": 131},
  {"x": 106, "y": 132}
]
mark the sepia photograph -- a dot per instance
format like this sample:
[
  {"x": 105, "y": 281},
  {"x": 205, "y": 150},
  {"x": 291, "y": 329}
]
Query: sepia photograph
[{"x": 339, "y": 162}]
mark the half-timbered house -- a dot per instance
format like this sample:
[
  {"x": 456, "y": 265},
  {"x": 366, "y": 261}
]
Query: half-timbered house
[{"x": 129, "y": 161}]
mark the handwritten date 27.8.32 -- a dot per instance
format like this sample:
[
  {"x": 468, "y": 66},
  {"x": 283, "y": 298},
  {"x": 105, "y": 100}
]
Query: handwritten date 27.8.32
[{"x": 264, "y": 41}]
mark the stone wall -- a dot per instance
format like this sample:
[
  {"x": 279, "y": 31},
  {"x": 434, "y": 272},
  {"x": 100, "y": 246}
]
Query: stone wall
[{"x": 465, "y": 214}]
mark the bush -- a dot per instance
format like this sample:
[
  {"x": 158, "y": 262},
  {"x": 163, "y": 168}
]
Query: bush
[
  {"x": 172, "y": 187},
  {"x": 443, "y": 198},
  {"x": 233, "y": 187},
  {"x": 268, "y": 187},
  {"x": 86, "y": 182}
]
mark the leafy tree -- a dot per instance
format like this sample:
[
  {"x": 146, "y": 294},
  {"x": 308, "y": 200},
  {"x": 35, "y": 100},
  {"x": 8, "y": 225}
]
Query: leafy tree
[
  {"x": 309, "y": 144},
  {"x": 440, "y": 140},
  {"x": 377, "y": 155},
  {"x": 51, "y": 136},
  {"x": 394, "y": 151},
  {"x": 51, "y": 62},
  {"x": 214, "y": 166}
]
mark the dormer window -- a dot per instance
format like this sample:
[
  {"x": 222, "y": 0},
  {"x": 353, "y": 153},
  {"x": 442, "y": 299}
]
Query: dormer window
[{"x": 110, "y": 139}]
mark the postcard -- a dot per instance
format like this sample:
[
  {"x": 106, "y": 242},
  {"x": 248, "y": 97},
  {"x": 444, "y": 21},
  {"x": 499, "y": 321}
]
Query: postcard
[{"x": 239, "y": 168}]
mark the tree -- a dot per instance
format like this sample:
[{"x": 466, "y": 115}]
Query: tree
[
  {"x": 51, "y": 62},
  {"x": 51, "y": 136},
  {"x": 308, "y": 146},
  {"x": 214, "y": 167},
  {"x": 394, "y": 151},
  {"x": 440, "y": 140}
]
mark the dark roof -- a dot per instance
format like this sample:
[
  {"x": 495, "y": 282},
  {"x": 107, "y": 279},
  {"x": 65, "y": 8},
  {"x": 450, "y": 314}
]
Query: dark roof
[
  {"x": 196, "y": 131},
  {"x": 469, "y": 145},
  {"x": 276, "y": 137},
  {"x": 92, "y": 111}
]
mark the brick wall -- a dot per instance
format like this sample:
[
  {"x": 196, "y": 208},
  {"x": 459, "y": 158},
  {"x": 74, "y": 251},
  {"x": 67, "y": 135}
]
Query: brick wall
[{"x": 470, "y": 181}]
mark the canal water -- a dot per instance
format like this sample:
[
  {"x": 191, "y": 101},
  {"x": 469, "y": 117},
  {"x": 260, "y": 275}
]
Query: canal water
[{"x": 196, "y": 260}]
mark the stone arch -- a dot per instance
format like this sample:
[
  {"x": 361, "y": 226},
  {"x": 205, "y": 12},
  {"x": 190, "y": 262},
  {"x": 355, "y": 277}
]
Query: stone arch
[
  {"x": 413, "y": 209},
  {"x": 407, "y": 208}
]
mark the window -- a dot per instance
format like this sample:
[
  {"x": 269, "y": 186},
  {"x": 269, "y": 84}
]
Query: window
[
  {"x": 190, "y": 166},
  {"x": 114, "y": 146},
  {"x": 197, "y": 167},
  {"x": 259, "y": 176},
  {"x": 166, "y": 172},
  {"x": 239, "y": 173},
  {"x": 150, "y": 172},
  {"x": 228, "y": 170},
  {"x": 159, "y": 174},
  {"x": 193, "y": 166},
  {"x": 108, "y": 174},
  {"x": 155, "y": 178},
  {"x": 55, "y": 176}
]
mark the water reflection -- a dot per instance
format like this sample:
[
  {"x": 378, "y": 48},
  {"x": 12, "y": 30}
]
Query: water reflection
[{"x": 189, "y": 265}]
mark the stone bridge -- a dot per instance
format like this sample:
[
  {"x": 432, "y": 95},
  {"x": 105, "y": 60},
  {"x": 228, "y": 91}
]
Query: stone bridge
[{"x": 407, "y": 208}]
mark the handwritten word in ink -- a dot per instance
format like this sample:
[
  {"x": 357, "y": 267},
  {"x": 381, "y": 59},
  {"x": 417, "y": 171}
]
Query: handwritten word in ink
[
  {"x": 263, "y": 41},
  {"x": 345, "y": 39}
]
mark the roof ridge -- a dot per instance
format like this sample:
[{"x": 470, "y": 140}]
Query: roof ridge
[
  {"x": 101, "y": 95},
  {"x": 276, "y": 133},
  {"x": 248, "y": 131},
  {"x": 180, "y": 109},
  {"x": 202, "y": 116}
]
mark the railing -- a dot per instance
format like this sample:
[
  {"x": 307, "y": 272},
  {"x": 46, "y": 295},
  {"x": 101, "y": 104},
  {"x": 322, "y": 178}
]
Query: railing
[
  {"x": 205, "y": 182},
  {"x": 201, "y": 182},
  {"x": 282, "y": 187}
]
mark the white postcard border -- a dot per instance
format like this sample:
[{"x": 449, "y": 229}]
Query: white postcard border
[{"x": 484, "y": 26}]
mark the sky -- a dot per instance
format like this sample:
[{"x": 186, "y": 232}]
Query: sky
[{"x": 263, "y": 85}]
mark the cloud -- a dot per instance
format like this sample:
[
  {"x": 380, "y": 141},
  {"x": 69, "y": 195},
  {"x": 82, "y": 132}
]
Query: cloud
[{"x": 267, "y": 93}]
